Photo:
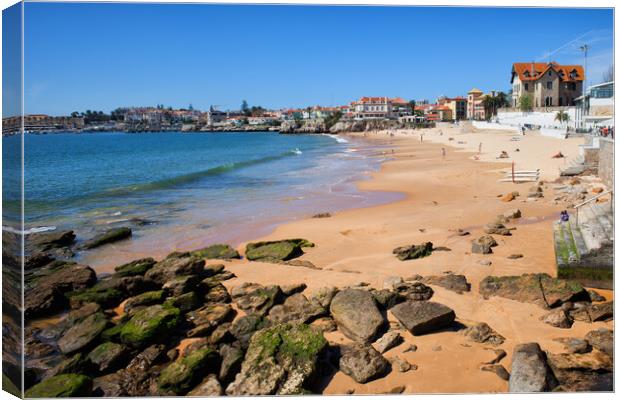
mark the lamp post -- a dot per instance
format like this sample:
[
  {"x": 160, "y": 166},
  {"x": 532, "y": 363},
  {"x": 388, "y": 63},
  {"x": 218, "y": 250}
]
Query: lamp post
[{"x": 584, "y": 48}]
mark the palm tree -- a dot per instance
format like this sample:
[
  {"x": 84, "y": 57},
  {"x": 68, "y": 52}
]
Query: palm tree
[
  {"x": 488, "y": 102},
  {"x": 562, "y": 116}
]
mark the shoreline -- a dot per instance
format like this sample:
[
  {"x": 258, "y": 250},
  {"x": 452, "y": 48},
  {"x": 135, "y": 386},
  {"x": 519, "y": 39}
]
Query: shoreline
[{"x": 442, "y": 193}]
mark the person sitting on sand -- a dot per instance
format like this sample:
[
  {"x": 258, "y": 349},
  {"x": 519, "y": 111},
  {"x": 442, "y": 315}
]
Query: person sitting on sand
[
  {"x": 558, "y": 155},
  {"x": 564, "y": 217},
  {"x": 503, "y": 154}
]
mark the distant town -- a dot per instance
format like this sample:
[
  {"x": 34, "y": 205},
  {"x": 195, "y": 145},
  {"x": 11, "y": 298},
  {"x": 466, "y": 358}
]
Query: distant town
[{"x": 542, "y": 95}]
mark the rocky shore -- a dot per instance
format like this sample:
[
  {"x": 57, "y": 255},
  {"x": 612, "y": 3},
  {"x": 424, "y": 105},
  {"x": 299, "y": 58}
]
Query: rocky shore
[{"x": 388, "y": 299}]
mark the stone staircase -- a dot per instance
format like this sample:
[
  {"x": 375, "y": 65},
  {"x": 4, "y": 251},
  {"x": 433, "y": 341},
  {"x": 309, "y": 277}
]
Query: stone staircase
[
  {"x": 584, "y": 245},
  {"x": 576, "y": 166}
]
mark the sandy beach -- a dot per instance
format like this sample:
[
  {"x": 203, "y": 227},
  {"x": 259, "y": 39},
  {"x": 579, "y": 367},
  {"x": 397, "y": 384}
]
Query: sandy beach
[{"x": 443, "y": 194}]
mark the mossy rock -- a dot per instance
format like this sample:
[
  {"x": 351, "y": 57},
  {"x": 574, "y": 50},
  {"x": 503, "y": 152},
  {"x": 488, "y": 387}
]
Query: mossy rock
[
  {"x": 113, "y": 334},
  {"x": 280, "y": 360},
  {"x": 65, "y": 385},
  {"x": 281, "y": 250},
  {"x": 136, "y": 267},
  {"x": 150, "y": 325},
  {"x": 9, "y": 386},
  {"x": 144, "y": 299},
  {"x": 107, "y": 356},
  {"x": 414, "y": 251},
  {"x": 106, "y": 297},
  {"x": 110, "y": 236},
  {"x": 183, "y": 374},
  {"x": 185, "y": 302},
  {"x": 83, "y": 334},
  {"x": 216, "y": 251}
]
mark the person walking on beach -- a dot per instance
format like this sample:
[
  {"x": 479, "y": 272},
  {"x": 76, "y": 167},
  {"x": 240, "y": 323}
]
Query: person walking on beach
[
  {"x": 480, "y": 148},
  {"x": 443, "y": 153}
]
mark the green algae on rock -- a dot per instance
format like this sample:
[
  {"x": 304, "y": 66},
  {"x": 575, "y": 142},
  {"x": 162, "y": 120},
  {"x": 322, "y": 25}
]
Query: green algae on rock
[
  {"x": 65, "y": 385},
  {"x": 152, "y": 324}
]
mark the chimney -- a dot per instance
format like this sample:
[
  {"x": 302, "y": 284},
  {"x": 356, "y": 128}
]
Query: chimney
[{"x": 533, "y": 71}]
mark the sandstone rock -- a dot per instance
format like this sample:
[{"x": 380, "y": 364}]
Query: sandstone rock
[
  {"x": 136, "y": 267},
  {"x": 356, "y": 315},
  {"x": 498, "y": 370},
  {"x": 540, "y": 289},
  {"x": 217, "y": 251},
  {"x": 515, "y": 256},
  {"x": 65, "y": 385},
  {"x": 243, "y": 328},
  {"x": 512, "y": 213},
  {"x": 415, "y": 290},
  {"x": 508, "y": 197},
  {"x": 206, "y": 318},
  {"x": 108, "y": 356},
  {"x": 139, "y": 377},
  {"x": 483, "y": 333},
  {"x": 291, "y": 289},
  {"x": 279, "y": 360},
  {"x": 109, "y": 236},
  {"x": 593, "y": 361},
  {"x": 45, "y": 241},
  {"x": 413, "y": 251},
  {"x": 179, "y": 285},
  {"x": 152, "y": 324},
  {"x": 209, "y": 387},
  {"x": 172, "y": 267},
  {"x": 529, "y": 370},
  {"x": 594, "y": 312},
  {"x": 390, "y": 281},
  {"x": 602, "y": 339},
  {"x": 180, "y": 376},
  {"x": 423, "y": 317},
  {"x": 575, "y": 345},
  {"x": 256, "y": 299},
  {"x": 142, "y": 300},
  {"x": 232, "y": 357},
  {"x": 280, "y": 250},
  {"x": 296, "y": 308},
  {"x": 455, "y": 283},
  {"x": 324, "y": 296},
  {"x": 483, "y": 245},
  {"x": 388, "y": 341},
  {"x": 218, "y": 294},
  {"x": 385, "y": 298},
  {"x": 558, "y": 318},
  {"x": 363, "y": 363},
  {"x": 324, "y": 324},
  {"x": 45, "y": 289},
  {"x": 400, "y": 365},
  {"x": 83, "y": 333},
  {"x": 185, "y": 302},
  {"x": 497, "y": 229}
]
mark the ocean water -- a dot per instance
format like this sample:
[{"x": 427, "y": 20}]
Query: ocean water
[{"x": 186, "y": 190}]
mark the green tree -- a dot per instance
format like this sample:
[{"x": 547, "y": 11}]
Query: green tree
[
  {"x": 245, "y": 109},
  {"x": 562, "y": 117},
  {"x": 332, "y": 119},
  {"x": 525, "y": 103}
]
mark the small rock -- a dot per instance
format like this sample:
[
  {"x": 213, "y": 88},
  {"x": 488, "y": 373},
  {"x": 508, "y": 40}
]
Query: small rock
[
  {"x": 595, "y": 297},
  {"x": 483, "y": 333},
  {"x": 291, "y": 289},
  {"x": 391, "y": 281},
  {"x": 498, "y": 369},
  {"x": 396, "y": 390},
  {"x": 485, "y": 262},
  {"x": 388, "y": 341},
  {"x": 575, "y": 345},
  {"x": 450, "y": 281},
  {"x": 322, "y": 215},
  {"x": 483, "y": 245},
  {"x": 602, "y": 339},
  {"x": 363, "y": 363},
  {"x": 413, "y": 252},
  {"x": 412, "y": 347},
  {"x": 558, "y": 318},
  {"x": 420, "y": 317},
  {"x": 515, "y": 256},
  {"x": 400, "y": 365}
]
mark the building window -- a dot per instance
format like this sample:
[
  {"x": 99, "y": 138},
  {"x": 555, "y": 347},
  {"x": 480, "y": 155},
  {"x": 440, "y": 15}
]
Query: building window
[
  {"x": 526, "y": 86},
  {"x": 549, "y": 85}
]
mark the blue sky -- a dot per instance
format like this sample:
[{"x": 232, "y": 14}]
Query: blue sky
[{"x": 100, "y": 56}]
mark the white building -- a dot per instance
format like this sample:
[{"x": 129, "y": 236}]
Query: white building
[{"x": 596, "y": 107}]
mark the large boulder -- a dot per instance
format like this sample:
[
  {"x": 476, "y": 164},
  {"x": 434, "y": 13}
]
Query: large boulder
[
  {"x": 243, "y": 328},
  {"x": 172, "y": 267},
  {"x": 357, "y": 315},
  {"x": 582, "y": 371},
  {"x": 296, "y": 308},
  {"x": 530, "y": 371},
  {"x": 256, "y": 299},
  {"x": 558, "y": 318},
  {"x": 362, "y": 362},
  {"x": 413, "y": 251},
  {"x": 136, "y": 267},
  {"x": 539, "y": 289},
  {"x": 142, "y": 300},
  {"x": 64, "y": 385},
  {"x": 152, "y": 324},
  {"x": 217, "y": 251},
  {"x": 44, "y": 241},
  {"x": 183, "y": 374},
  {"x": 83, "y": 333},
  {"x": 232, "y": 358},
  {"x": 280, "y": 360},
  {"x": 105, "y": 296},
  {"x": 209, "y": 387},
  {"x": 420, "y": 317},
  {"x": 179, "y": 285},
  {"x": 594, "y": 312},
  {"x": 455, "y": 283},
  {"x": 46, "y": 288},
  {"x": 109, "y": 236},
  {"x": 280, "y": 250}
]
